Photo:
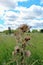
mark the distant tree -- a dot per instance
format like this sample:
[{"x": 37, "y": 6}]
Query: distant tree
[
  {"x": 1, "y": 32},
  {"x": 5, "y": 31},
  {"x": 34, "y": 31},
  {"x": 41, "y": 30},
  {"x": 9, "y": 30}
]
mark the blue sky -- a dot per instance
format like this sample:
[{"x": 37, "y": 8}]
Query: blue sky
[
  {"x": 29, "y": 3},
  {"x": 13, "y": 13}
]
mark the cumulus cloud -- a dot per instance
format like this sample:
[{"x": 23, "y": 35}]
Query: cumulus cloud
[
  {"x": 2, "y": 10},
  {"x": 30, "y": 16},
  {"x": 10, "y": 16},
  {"x": 1, "y": 27},
  {"x": 10, "y": 3},
  {"x": 34, "y": 12}
]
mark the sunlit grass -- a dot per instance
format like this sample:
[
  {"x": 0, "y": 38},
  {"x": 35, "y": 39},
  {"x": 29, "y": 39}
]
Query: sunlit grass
[{"x": 8, "y": 42}]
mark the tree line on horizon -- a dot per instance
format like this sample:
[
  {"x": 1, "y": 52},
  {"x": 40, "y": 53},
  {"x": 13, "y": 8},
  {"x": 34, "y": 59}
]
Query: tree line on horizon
[{"x": 23, "y": 27}]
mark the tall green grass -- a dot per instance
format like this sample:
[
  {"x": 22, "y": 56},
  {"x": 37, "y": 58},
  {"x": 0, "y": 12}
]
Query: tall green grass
[{"x": 7, "y": 43}]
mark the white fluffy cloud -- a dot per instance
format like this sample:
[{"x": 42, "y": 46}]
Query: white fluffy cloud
[
  {"x": 1, "y": 27},
  {"x": 30, "y": 16},
  {"x": 32, "y": 12},
  {"x": 10, "y": 3}
]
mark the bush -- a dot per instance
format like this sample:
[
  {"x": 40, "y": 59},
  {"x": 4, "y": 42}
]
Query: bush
[
  {"x": 34, "y": 31},
  {"x": 41, "y": 30},
  {"x": 5, "y": 31},
  {"x": 8, "y": 31}
]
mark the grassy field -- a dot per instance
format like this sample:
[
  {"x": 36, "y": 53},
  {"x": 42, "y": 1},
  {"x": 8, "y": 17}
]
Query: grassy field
[{"x": 7, "y": 43}]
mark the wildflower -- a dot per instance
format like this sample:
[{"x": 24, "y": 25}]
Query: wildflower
[
  {"x": 24, "y": 28},
  {"x": 27, "y": 38},
  {"x": 28, "y": 53},
  {"x": 17, "y": 49}
]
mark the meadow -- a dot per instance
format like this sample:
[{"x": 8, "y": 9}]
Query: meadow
[{"x": 8, "y": 42}]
